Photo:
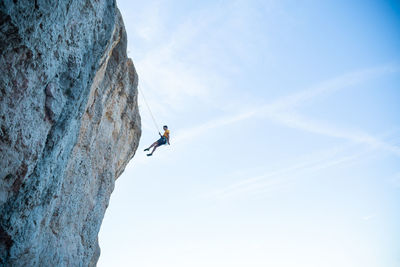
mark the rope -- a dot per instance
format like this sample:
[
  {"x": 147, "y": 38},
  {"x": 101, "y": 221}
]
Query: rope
[{"x": 148, "y": 107}]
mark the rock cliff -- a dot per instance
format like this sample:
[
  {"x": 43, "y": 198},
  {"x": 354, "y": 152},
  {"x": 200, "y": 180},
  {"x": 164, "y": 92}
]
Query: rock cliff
[{"x": 69, "y": 125}]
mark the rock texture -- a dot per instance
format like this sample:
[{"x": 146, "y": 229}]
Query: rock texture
[{"x": 69, "y": 125}]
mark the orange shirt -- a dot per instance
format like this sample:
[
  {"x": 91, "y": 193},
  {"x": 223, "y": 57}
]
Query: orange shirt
[{"x": 166, "y": 134}]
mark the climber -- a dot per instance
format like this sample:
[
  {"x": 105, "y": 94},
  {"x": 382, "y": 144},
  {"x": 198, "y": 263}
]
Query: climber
[{"x": 162, "y": 141}]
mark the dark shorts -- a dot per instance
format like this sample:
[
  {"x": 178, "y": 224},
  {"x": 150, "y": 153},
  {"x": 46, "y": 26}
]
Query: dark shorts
[{"x": 162, "y": 141}]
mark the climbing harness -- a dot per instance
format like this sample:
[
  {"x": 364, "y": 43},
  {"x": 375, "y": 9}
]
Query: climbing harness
[{"x": 148, "y": 107}]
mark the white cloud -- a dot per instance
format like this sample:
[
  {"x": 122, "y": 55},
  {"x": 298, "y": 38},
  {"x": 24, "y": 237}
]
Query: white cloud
[
  {"x": 171, "y": 73},
  {"x": 369, "y": 217},
  {"x": 281, "y": 111},
  {"x": 191, "y": 133},
  {"x": 172, "y": 82},
  {"x": 297, "y": 121},
  {"x": 282, "y": 177},
  {"x": 330, "y": 86},
  {"x": 148, "y": 26}
]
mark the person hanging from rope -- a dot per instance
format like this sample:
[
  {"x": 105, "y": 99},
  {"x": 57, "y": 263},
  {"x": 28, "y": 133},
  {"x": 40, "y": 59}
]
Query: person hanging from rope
[{"x": 162, "y": 141}]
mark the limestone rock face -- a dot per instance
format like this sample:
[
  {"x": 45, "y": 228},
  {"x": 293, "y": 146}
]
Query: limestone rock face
[{"x": 69, "y": 124}]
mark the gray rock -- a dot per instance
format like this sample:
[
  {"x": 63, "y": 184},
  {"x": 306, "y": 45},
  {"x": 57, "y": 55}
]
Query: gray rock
[{"x": 69, "y": 124}]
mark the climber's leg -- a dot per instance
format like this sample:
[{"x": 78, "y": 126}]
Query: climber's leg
[
  {"x": 147, "y": 149},
  {"x": 154, "y": 149}
]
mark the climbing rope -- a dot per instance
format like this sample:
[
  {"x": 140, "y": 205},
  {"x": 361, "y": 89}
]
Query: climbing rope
[{"x": 148, "y": 107}]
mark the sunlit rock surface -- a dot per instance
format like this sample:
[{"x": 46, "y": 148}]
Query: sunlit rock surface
[{"x": 69, "y": 125}]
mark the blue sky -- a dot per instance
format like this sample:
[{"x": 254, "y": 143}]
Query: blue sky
[{"x": 285, "y": 143}]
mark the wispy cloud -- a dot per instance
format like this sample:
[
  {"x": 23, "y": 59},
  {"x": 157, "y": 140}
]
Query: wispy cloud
[
  {"x": 280, "y": 179},
  {"x": 273, "y": 180},
  {"x": 173, "y": 81},
  {"x": 148, "y": 25},
  {"x": 189, "y": 61},
  {"x": 369, "y": 217},
  {"x": 190, "y": 133},
  {"x": 282, "y": 111},
  {"x": 330, "y": 86},
  {"x": 297, "y": 121},
  {"x": 172, "y": 70}
]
